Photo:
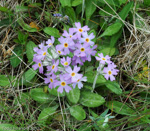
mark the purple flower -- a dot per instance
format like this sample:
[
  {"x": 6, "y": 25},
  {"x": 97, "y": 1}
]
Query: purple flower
[
  {"x": 70, "y": 34},
  {"x": 73, "y": 74},
  {"x": 91, "y": 52},
  {"x": 41, "y": 54},
  {"x": 52, "y": 80},
  {"x": 103, "y": 59},
  {"x": 78, "y": 60},
  {"x": 53, "y": 68},
  {"x": 50, "y": 42},
  {"x": 82, "y": 50},
  {"x": 66, "y": 62},
  {"x": 65, "y": 45},
  {"x": 79, "y": 82},
  {"x": 79, "y": 30},
  {"x": 38, "y": 65},
  {"x": 87, "y": 38},
  {"x": 59, "y": 50},
  {"x": 63, "y": 84},
  {"x": 109, "y": 73}
]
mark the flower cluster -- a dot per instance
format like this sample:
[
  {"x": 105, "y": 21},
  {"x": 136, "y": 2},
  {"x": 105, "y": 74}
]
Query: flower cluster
[
  {"x": 110, "y": 71},
  {"x": 63, "y": 61}
]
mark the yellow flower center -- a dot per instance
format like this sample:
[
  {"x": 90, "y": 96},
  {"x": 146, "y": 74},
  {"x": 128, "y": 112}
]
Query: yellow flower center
[
  {"x": 59, "y": 52},
  {"x": 70, "y": 36},
  {"x": 80, "y": 30},
  {"x": 66, "y": 63},
  {"x": 63, "y": 83},
  {"x": 109, "y": 72},
  {"x": 82, "y": 49},
  {"x": 87, "y": 40},
  {"x": 50, "y": 43},
  {"x": 39, "y": 64},
  {"x": 66, "y": 45},
  {"x": 44, "y": 53},
  {"x": 72, "y": 74},
  {"x": 51, "y": 79},
  {"x": 78, "y": 80},
  {"x": 53, "y": 66},
  {"x": 103, "y": 59}
]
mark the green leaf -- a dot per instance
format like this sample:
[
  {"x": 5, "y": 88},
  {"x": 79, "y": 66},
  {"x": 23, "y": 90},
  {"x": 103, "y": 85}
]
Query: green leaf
[
  {"x": 28, "y": 76},
  {"x": 147, "y": 2},
  {"x": 76, "y": 2},
  {"x": 91, "y": 76},
  {"x": 90, "y": 99},
  {"x": 54, "y": 92},
  {"x": 46, "y": 113},
  {"x": 20, "y": 8},
  {"x": 14, "y": 59},
  {"x": 70, "y": 12},
  {"x": 40, "y": 96},
  {"x": 112, "y": 29},
  {"x": 123, "y": 14},
  {"x": 77, "y": 112},
  {"x": 29, "y": 50},
  {"x": 110, "y": 2},
  {"x": 120, "y": 108},
  {"x": 125, "y": 11},
  {"x": 6, "y": 80},
  {"x": 89, "y": 9},
  {"x": 114, "y": 87},
  {"x": 52, "y": 31},
  {"x": 122, "y": 1},
  {"x": 74, "y": 95},
  {"x": 9, "y": 127},
  {"x": 65, "y": 2},
  {"x": 25, "y": 26},
  {"x": 5, "y": 22},
  {"x": 20, "y": 36},
  {"x": 107, "y": 51},
  {"x": 3, "y": 9}
]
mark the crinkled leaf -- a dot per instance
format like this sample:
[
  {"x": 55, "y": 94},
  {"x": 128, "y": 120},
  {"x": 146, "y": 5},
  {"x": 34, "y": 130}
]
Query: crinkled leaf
[
  {"x": 77, "y": 112},
  {"x": 54, "y": 92},
  {"x": 28, "y": 76},
  {"x": 90, "y": 99},
  {"x": 114, "y": 87},
  {"x": 52, "y": 31},
  {"x": 29, "y": 50},
  {"x": 73, "y": 95},
  {"x": 120, "y": 108},
  {"x": 40, "y": 96},
  {"x": 91, "y": 76},
  {"x": 46, "y": 113}
]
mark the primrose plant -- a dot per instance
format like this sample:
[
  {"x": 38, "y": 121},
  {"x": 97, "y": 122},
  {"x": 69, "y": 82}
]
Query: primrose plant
[{"x": 63, "y": 61}]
